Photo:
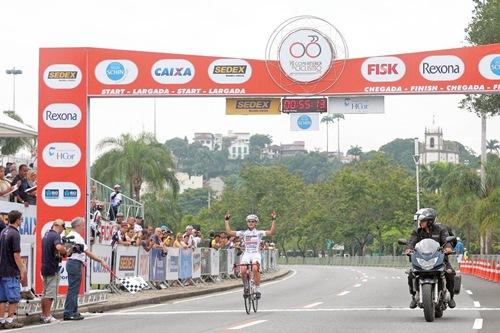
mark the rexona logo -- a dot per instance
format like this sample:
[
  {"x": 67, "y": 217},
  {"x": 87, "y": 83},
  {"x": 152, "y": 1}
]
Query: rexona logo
[
  {"x": 116, "y": 72},
  {"x": 172, "y": 71},
  {"x": 62, "y": 115},
  {"x": 489, "y": 67},
  {"x": 61, "y": 194},
  {"x": 62, "y": 76},
  {"x": 229, "y": 71},
  {"x": 383, "y": 69},
  {"x": 442, "y": 68},
  {"x": 61, "y": 154}
]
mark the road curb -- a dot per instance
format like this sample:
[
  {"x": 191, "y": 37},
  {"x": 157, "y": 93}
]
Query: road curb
[{"x": 98, "y": 308}]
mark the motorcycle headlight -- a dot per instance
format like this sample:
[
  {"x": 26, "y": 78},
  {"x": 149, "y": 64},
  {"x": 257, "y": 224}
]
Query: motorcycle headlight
[{"x": 427, "y": 264}]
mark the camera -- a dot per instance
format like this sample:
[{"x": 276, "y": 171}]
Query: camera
[{"x": 71, "y": 246}]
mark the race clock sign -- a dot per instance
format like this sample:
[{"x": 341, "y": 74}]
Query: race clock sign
[{"x": 304, "y": 105}]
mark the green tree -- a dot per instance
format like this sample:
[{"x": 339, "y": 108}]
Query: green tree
[
  {"x": 401, "y": 151},
  {"x": 161, "y": 207},
  {"x": 191, "y": 201},
  {"x": 258, "y": 142},
  {"x": 338, "y": 116},
  {"x": 355, "y": 151},
  {"x": 138, "y": 160},
  {"x": 493, "y": 145}
]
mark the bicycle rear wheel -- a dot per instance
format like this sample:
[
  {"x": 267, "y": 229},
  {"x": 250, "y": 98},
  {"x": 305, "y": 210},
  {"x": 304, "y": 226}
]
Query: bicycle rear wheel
[{"x": 255, "y": 303}]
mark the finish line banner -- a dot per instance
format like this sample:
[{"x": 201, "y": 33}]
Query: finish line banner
[
  {"x": 253, "y": 106},
  {"x": 356, "y": 105}
]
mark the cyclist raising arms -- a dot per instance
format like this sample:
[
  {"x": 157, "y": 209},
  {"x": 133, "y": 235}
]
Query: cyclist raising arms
[{"x": 251, "y": 240}]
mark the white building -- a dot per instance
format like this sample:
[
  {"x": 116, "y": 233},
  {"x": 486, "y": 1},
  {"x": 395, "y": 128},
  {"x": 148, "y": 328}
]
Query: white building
[
  {"x": 434, "y": 149},
  {"x": 216, "y": 185},
  {"x": 240, "y": 145},
  {"x": 208, "y": 140},
  {"x": 187, "y": 182},
  {"x": 292, "y": 149}
]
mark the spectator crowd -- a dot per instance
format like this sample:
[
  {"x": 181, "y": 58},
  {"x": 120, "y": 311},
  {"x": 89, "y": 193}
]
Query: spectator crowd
[{"x": 18, "y": 184}]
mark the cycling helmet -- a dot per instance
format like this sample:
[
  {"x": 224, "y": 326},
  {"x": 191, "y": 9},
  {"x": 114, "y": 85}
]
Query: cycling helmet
[
  {"x": 428, "y": 214},
  {"x": 252, "y": 217}
]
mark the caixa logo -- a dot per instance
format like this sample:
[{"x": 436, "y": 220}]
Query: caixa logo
[
  {"x": 62, "y": 76},
  {"x": 61, "y": 154},
  {"x": 489, "y": 67},
  {"x": 229, "y": 71},
  {"x": 172, "y": 71},
  {"x": 383, "y": 69},
  {"x": 61, "y": 194},
  {"x": 62, "y": 115},
  {"x": 116, "y": 71},
  {"x": 442, "y": 68}
]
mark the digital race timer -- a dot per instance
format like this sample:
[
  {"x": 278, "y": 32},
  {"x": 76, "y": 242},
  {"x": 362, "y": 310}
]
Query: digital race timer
[{"x": 303, "y": 105}]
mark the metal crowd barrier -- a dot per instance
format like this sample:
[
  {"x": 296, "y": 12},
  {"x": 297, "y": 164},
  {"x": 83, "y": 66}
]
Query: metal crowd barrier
[{"x": 176, "y": 267}]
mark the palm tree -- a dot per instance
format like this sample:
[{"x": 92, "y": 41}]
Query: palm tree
[
  {"x": 138, "y": 160},
  {"x": 354, "y": 151},
  {"x": 338, "y": 116},
  {"x": 327, "y": 120},
  {"x": 493, "y": 145}
]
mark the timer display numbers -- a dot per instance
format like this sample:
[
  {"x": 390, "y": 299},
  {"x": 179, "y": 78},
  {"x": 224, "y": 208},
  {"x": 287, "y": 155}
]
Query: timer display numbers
[{"x": 304, "y": 105}]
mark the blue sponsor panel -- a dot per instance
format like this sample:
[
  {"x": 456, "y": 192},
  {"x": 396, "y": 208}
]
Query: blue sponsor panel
[
  {"x": 157, "y": 265},
  {"x": 186, "y": 264}
]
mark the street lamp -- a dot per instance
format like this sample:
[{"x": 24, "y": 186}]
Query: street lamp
[
  {"x": 416, "y": 159},
  {"x": 14, "y": 72}
]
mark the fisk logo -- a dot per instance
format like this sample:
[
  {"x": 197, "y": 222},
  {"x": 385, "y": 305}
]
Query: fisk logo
[
  {"x": 61, "y": 155},
  {"x": 383, "y": 69},
  {"x": 117, "y": 71},
  {"x": 173, "y": 71},
  {"x": 62, "y": 76}
]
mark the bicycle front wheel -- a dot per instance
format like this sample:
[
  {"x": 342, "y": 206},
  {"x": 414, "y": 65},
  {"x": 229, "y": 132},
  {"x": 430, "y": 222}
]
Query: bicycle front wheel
[
  {"x": 247, "y": 298},
  {"x": 255, "y": 303}
]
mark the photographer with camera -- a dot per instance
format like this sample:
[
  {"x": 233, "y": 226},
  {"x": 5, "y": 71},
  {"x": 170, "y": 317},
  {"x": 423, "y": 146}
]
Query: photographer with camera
[
  {"x": 53, "y": 251},
  {"x": 76, "y": 259}
]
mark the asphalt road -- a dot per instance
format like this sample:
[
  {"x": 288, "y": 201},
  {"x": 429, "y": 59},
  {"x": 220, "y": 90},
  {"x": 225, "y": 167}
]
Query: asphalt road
[{"x": 311, "y": 299}]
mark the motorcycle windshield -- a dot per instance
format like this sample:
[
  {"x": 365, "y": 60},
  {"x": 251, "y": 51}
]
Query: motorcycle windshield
[{"x": 427, "y": 246}]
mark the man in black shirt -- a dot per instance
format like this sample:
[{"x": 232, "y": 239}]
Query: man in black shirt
[
  {"x": 12, "y": 270},
  {"x": 52, "y": 251}
]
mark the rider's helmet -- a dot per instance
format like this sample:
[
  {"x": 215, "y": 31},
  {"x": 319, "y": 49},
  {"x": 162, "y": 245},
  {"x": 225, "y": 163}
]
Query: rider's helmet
[
  {"x": 252, "y": 217},
  {"x": 429, "y": 215},
  {"x": 417, "y": 214}
]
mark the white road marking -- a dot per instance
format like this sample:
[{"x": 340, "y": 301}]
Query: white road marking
[
  {"x": 365, "y": 280},
  {"x": 478, "y": 324},
  {"x": 343, "y": 293},
  {"x": 247, "y": 325},
  {"x": 294, "y": 272},
  {"x": 398, "y": 277},
  {"x": 393, "y": 277},
  {"x": 386, "y": 277},
  {"x": 357, "y": 285},
  {"x": 312, "y": 305},
  {"x": 194, "y": 312},
  {"x": 469, "y": 292},
  {"x": 477, "y": 304}
]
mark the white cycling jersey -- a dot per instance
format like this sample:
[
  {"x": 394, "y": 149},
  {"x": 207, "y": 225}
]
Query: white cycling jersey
[{"x": 251, "y": 239}]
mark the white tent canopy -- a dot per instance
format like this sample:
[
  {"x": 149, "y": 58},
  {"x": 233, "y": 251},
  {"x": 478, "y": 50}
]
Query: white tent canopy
[{"x": 11, "y": 128}]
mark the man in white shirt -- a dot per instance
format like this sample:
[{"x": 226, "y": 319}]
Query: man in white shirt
[
  {"x": 115, "y": 200},
  {"x": 252, "y": 239},
  {"x": 76, "y": 260}
]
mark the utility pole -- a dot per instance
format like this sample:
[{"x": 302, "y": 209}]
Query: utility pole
[{"x": 416, "y": 159}]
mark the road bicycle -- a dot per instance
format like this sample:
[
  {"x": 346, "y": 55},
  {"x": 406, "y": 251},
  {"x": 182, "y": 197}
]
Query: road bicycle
[{"x": 249, "y": 290}]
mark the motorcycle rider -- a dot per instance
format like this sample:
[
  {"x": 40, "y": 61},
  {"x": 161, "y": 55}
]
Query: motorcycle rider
[{"x": 427, "y": 228}]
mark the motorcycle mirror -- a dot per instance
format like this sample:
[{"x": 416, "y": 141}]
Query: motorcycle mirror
[
  {"x": 450, "y": 238},
  {"x": 402, "y": 241}
]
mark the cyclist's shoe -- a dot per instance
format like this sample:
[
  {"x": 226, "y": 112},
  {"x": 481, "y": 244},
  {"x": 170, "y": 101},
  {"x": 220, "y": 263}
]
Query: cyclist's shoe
[
  {"x": 257, "y": 294},
  {"x": 451, "y": 303},
  {"x": 11, "y": 325},
  {"x": 413, "y": 303},
  {"x": 246, "y": 293}
]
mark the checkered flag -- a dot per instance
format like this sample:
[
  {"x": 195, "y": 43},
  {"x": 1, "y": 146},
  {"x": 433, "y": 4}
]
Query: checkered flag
[{"x": 133, "y": 284}]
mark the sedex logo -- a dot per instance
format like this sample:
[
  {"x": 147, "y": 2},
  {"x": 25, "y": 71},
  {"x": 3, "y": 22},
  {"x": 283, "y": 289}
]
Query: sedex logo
[
  {"x": 62, "y": 76},
  {"x": 172, "y": 71},
  {"x": 442, "y": 68},
  {"x": 383, "y": 69},
  {"x": 229, "y": 71},
  {"x": 62, "y": 115}
]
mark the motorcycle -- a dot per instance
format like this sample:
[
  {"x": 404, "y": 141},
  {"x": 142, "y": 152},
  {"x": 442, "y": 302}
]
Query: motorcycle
[{"x": 428, "y": 273}]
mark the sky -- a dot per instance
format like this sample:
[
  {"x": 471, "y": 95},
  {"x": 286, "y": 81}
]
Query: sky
[{"x": 237, "y": 29}]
